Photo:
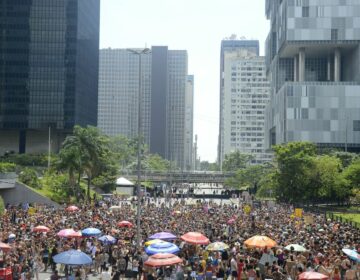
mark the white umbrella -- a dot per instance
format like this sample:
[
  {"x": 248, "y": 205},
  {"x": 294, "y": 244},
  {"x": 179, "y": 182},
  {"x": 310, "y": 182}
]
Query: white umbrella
[
  {"x": 295, "y": 248},
  {"x": 123, "y": 182},
  {"x": 115, "y": 208}
]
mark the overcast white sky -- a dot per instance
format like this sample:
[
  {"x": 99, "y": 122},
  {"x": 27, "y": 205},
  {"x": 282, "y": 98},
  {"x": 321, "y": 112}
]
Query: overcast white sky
[{"x": 197, "y": 26}]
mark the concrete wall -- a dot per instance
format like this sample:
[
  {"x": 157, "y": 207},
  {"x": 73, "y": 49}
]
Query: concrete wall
[
  {"x": 36, "y": 141},
  {"x": 9, "y": 141},
  {"x": 22, "y": 194}
]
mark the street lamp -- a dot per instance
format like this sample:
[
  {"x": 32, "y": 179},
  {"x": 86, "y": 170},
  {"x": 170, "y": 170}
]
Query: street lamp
[{"x": 138, "y": 52}]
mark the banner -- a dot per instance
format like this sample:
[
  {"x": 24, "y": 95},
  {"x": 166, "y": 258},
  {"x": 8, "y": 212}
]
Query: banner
[
  {"x": 31, "y": 211},
  {"x": 309, "y": 220},
  {"x": 247, "y": 209},
  {"x": 298, "y": 212}
]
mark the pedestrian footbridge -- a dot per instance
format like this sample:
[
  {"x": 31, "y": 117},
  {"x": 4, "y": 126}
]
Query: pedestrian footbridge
[{"x": 182, "y": 177}]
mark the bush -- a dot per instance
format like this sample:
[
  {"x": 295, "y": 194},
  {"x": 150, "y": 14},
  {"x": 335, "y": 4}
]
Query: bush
[
  {"x": 29, "y": 177},
  {"x": 7, "y": 167},
  {"x": 2, "y": 205},
  {"x": 28, "y": 159}
]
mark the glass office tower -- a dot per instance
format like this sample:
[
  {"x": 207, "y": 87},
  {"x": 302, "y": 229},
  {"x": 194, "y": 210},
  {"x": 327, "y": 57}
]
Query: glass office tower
[{"x": 48, "y": 71}]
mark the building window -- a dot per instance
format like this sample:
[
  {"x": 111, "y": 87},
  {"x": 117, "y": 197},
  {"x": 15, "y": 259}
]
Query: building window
[
  {"x": 334, "y": 34},
  {"x": 356, "y": 125},
  {"x": 305, "y": 11}
]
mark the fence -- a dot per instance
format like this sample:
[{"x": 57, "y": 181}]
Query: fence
[{"x": 341, "y": 219}]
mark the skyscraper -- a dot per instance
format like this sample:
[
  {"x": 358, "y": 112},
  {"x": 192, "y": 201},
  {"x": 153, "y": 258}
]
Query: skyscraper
[
  {"x": 119, "y": 93},
  {"x": 164, "y": 94},
  {"x": 244, "y": 93},
  {"x": 48, "y": 71},
  {"x": 312, "y": 57}
]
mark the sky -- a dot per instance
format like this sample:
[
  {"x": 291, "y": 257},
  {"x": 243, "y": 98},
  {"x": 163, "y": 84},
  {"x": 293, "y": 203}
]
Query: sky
[{"x": 197, "y": 26}]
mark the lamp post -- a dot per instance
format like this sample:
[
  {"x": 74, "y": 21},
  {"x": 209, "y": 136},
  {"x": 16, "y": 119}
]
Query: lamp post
[{"x": 138, "y": 52}]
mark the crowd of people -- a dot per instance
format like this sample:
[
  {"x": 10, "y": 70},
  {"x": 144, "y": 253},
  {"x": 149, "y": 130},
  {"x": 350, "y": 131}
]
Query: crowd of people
[{"x": 32, "y": 253}]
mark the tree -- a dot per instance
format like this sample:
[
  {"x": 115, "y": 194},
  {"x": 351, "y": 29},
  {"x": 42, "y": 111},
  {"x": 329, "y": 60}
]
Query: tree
[
  {"x": 294, "y": 166},
  {"x": 326, "y": 181},
  {"x": 249, "y": 177},
  {"x": 154, "y": 162},
  {"x": 236, "y": 161},
  {"x": 87, "y": 150},
  {"x": 209, "y": 166},
  {"x": 346, "y": 158},
  {"x": 352, "y": 174}
]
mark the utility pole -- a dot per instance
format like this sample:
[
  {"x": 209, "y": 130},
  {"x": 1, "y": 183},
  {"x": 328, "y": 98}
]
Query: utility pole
[{"x": 138, "y": 186}]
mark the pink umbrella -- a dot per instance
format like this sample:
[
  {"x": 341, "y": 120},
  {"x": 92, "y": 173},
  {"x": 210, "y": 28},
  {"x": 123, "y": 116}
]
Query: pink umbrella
[
  {"x": 231, "y": 221},
  {"x": 125, "y": 224},
  {"x": 41, "y": 229},
  {"x": 4, "y": 247},
  {"x": 311, "y": 275},
  {"x": 68, "y": 232},
  {"x": 195, "y": 238},
  {"x": 72, "y": 208}
]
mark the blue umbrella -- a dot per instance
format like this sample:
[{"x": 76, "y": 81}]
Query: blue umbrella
[
  {"x": 72, "y": 257},
  {"x": 89, "y": 232},
  {"x": 163, "y": 235},
  {"x": 107, "y": 239},
  {"x": 162, "y": 247},
  {"x": 352, "y": 254}
]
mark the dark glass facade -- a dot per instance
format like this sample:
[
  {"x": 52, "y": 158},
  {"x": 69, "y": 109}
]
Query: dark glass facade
[{"x": 49, "y": 51}]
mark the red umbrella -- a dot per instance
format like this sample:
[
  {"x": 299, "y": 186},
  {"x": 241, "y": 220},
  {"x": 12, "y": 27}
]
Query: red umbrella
[
  {"x": 195, "y": 238},
  {"x": 163, "y": 259},
  {"x": 125, "y": 224},
  {"x": 4, "y": 247},
  {"x": 41, "y": 229},
  {"x": 72, "y": 208},
  {"x": 311, "y": 275}
]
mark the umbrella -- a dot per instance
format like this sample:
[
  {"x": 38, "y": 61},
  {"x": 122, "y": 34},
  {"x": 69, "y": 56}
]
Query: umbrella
[
  {"x": 115, "y": 208},
  {"x": 41, "y": 229},
  {"x": 260, "y": 241},
  {"x": 125, "y": 224},
  {"x": 217, "y": 246},
  {"x": 4, "y": 247},
  {"x": 352, "y": 254},
  {"x": 89, "y": 232},
  {"x": 72, "y": 208},
  {"x": 295, "y": 248},
  {"x": 153, "y": 241},
  {"x": 231, "y": 221},
  {"x": 163, "y": 235},
  {"x": 195, "y": 238},
  {"x": 107, "y": 239},
  {"x": 72, "y": 257},
  {"x": 159, "y": 260},
  {"x": 69, "y": 233},
  {"x": 311, "y": 275},
  {"x": 266, "y": 258},
  {"x": 162, "y": 247}
]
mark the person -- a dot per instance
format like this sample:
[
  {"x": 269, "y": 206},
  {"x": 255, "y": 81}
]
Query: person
[
  {"x": 36, "y": 266},
  {"x": 105, "y": 274},
  {"x": 45, "y": 257},
  {"x": 55, "y": 275},
  {"x": 233, "y": 268},
  {"x": 335, "y": 274}
]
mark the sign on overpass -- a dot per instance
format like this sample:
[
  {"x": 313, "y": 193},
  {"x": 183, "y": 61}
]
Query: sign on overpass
[{"x": 183, "y": 177}]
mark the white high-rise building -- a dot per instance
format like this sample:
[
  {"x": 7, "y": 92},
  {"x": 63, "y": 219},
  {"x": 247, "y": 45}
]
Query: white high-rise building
[{"x": 245, "y": 93}]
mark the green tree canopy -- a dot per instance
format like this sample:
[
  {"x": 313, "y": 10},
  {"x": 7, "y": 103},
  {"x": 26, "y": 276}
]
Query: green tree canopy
[{"x": 235, "y": 161}]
